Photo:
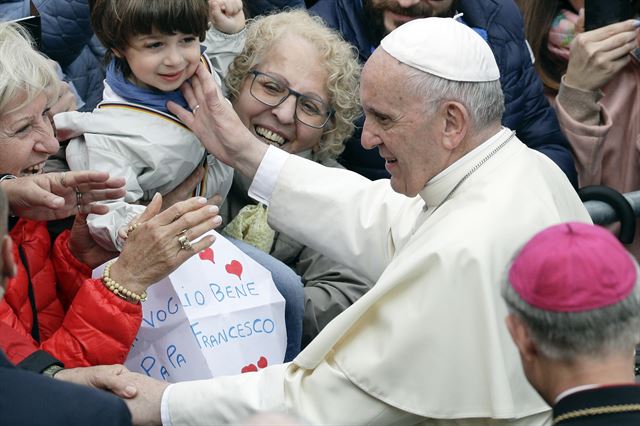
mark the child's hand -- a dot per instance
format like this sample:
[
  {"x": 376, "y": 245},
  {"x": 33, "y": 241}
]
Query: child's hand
[{"x": 227, "y": 16}]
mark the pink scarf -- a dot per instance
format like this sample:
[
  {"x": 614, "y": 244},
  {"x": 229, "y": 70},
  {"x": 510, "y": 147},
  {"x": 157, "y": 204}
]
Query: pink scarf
[{"x": 561, "y": 33}]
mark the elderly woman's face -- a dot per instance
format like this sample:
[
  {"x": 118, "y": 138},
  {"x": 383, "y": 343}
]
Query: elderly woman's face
[
  {"x": 26, "y": 137},
  {"x": 296, "y": 64}
]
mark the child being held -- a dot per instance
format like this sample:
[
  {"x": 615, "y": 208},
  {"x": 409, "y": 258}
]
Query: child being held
[{"x": 153, "y": 46}]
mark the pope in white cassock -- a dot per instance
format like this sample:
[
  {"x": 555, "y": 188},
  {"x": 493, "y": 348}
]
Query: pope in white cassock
[{"x": 427, "y": 344}]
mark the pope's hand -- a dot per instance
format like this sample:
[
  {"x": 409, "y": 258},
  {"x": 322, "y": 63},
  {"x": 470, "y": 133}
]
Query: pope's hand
[
  {"x": 217, "y": 126},
  {"x": 106, "y": 377}
]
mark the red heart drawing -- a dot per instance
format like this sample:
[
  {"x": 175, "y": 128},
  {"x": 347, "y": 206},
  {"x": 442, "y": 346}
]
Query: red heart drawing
[
  {"x": 234, "y": 268},
  {"x": 207, "y": 254},
  {"x": 262, "y": 362},
  {"x": 249, "y": 368}
]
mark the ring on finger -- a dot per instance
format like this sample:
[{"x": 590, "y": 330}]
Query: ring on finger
[
  {"x": 78, "y": 199},
  {"x": 63, "y": 179},
  {"x": 195, "y": 109},
  {"x": 132, "y": 228},
  {"x": 184, "y": 242}
]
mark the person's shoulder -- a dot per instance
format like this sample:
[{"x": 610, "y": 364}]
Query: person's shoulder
[
  {"x": 501, "y": 18},
  {"x": 29, "y": 398}
]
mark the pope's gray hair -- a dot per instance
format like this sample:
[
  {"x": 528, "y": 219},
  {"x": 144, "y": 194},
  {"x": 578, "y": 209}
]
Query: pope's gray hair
[
  {"x": 484, "y": 101},
  {"x": 24, "y": 71},
  {"x": 568, "y": 335}
]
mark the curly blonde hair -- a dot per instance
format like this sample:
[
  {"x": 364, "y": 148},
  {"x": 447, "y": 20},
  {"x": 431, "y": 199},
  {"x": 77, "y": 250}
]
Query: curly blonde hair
[
  {"x": 338, "y": 57},
  {"x": 24, "y": 70}
]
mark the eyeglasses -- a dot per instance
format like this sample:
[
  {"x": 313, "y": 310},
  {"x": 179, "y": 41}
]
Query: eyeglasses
[{"x": 271, "y": 91}]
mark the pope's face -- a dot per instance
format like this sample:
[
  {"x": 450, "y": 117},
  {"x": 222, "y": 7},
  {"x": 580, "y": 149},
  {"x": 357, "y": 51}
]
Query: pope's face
[
  {"x": 397, "y": 12},
  {"x": 408, "y": 136}
]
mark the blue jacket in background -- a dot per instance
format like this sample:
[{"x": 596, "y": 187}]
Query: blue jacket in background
[
  {"x": 68, "y": 39},
  {"x": 527, "y": 111},
  {"x": 263, "y": 7}
]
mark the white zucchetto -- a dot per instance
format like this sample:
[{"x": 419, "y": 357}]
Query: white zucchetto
[{"x": 443, "y": 47}]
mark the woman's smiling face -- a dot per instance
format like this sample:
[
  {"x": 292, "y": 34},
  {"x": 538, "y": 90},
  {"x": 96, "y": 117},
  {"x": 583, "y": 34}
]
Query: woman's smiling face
[
  {"x": 297, "y": 64},
  {"x": 26, "y": 137}
]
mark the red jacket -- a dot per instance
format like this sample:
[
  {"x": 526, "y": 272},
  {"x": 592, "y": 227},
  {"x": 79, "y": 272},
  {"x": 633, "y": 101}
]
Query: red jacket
[{"x": 81, "y": 322}]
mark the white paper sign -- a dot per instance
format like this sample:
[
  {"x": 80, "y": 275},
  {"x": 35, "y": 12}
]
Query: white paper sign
[{"x": 217, "y": 314}]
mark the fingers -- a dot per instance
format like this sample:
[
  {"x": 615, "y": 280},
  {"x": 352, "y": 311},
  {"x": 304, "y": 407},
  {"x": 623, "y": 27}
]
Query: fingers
[
  {"x": 215, "y": 10},
  {"x": 91, "y": 196},
  {"x": 50, "y": 200},
  {"x": 73, "y": 179},
  {"x": 606, "y": 32},
  {"x": 203, "y": 226},
  {"x": 114, "y": 379},
  {"x": 173, "y": 213},
  {"x": 626, "y": 40},
  {"x": 191, "y": 219},
  {"x": 152, "y": 210}
]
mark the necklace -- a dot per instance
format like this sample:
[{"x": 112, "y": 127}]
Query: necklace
[{"x": 473, "y": 170}]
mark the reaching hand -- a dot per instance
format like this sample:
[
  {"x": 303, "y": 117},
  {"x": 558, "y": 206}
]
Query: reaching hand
[
  {"x": 145, "y": 405},
  {"x": 598, "y": 55},
  {"x": 107, "y": 377},
  {"x": 154, "y": 249},
  {"x": 217, "y": 126},
  {"x": 51, "y": 196},
  {"x": 84, "y": 248},
  {"x": 227, "y": 16}
]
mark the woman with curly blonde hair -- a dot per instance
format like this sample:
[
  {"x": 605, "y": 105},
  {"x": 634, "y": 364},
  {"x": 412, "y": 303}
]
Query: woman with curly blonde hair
[{"x": 295, "y": 85}]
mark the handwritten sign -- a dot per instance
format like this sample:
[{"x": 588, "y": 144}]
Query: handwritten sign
[{"x": 217, "y": 314}]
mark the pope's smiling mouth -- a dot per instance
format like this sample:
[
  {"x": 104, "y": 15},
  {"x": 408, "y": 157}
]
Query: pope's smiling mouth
[
  {"x": 270, "y": 136},
  {"x": 33, "y": 170}
]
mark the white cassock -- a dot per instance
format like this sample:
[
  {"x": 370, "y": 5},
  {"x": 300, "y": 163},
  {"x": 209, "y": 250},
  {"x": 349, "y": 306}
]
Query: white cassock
[{"x": 428, "y": 342}]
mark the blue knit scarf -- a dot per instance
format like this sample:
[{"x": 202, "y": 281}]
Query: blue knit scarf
[{"x": 151, "y": 98}]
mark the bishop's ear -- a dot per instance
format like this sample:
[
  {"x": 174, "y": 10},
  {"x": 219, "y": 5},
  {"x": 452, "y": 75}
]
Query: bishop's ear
[{"x": 521, "y": 337}]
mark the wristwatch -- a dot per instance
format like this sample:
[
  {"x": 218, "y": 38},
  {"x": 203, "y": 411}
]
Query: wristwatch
[{"x": 52, "y": 370}]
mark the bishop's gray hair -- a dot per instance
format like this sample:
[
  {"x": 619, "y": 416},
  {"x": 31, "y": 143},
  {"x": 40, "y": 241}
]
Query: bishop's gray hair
[
  {"x": 568, "y": 335},
  {"x": 484, "y": 101}
]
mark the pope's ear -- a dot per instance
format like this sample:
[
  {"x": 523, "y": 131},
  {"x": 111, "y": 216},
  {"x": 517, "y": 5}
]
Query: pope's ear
[
  {"x": 521, "y": 337},
  {"x": 456, "y": 124}
]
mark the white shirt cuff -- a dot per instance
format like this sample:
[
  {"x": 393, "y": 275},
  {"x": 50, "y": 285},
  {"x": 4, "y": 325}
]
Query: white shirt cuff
[
  {"x": 164, "y": 407},
  {"x": 264, "y": 182}
]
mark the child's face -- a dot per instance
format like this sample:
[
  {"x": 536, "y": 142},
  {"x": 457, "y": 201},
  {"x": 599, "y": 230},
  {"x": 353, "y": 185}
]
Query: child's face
[{"x": 161, "y": 61}]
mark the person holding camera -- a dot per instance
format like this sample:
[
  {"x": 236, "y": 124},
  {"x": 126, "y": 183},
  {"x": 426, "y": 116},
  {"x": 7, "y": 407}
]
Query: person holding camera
[{"x": 593, "y": 80}]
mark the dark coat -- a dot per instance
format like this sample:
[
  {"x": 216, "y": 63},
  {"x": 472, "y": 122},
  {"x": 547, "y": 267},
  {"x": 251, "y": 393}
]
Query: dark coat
[
  {"x": 608, "y": 405},
  {"x": 27, "y": 398},
  {"x": 527, "y": 110}
]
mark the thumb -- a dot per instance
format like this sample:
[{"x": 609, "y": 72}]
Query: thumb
[
  {"x": 119, "y": 385},
  {"x": 50, "y": 200},
  {"x": 580, "y": 22},
  {"x": 152, "y": 209},
  {"x": 215, "y": 12}
]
